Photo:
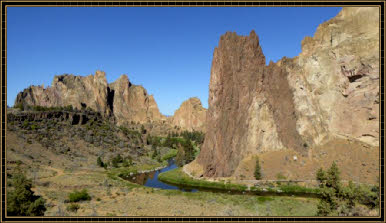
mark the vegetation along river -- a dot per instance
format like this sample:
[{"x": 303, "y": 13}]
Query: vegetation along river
[{"x": 150, "y": 179}]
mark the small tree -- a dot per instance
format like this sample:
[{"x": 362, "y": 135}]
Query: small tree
[
  {"x": 257, "y": 169},
  {"x": 143, "y": 130},
  {"x": 21, "y": 201},
  {"x": 100, "y": 162},
  {"x": 329, "y": 182},
  {"x": 155, "y": 153},
  {"x": 334, "y": 177}
]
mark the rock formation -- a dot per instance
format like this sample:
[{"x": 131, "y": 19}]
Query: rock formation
[
  {"x": 132, "y": 103},
  {"x": 330, "y": 90},
  {"x": 190, "y": 116},
  {"x": 121, "y": 100},
  {"x": 80, "y": 92}
]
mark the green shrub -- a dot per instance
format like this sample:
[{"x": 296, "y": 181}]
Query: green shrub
[
  {"x": 73, "y": 207},
  {"x": 33, "y": 127},
  {"x": 25, "y": 123},
  {"x": 100, "y": 162},
  {"x": 116, "y": 160},
  {"x": 341, "y": 200},
  {"x": 257, "y": 169},
  {"x": 79, "y": 196},
  {"x": 21, "y": 201},
  {"x": 19, "y": 106}
]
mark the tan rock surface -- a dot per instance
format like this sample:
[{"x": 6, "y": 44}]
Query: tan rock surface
[
  {"x": 89, "y": 91},
  {"x": 132, "y": 103},
  {"x": 120, "y": 99},
  {"x": 190, "y": 115}
]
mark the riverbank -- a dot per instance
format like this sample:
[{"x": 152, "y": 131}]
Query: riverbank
[{"x": 179, "y": 177}]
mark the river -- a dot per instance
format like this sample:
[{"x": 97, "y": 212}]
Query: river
[{"x": 150, "y": 179}]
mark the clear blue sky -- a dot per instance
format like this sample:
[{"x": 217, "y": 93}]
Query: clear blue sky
[{"x": 167, "y": 50}]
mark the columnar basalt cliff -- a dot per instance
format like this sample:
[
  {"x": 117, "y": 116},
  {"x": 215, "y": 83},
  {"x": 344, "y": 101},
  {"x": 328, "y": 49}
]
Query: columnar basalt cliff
[
  {"x": 330, "y": 90},
  {"x": 190, "y": 116},
  {"x": 121, "y": 100}
]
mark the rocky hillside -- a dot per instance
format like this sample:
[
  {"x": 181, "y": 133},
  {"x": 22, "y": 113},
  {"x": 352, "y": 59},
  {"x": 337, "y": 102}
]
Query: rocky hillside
[
  {"x": 121, "y": 100},
  {"x": 329, "y": 91},
  {"x": 190, "y": 116}
]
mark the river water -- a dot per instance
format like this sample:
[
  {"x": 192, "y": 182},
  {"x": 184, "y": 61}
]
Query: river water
[{"x": 150, "y": 179}]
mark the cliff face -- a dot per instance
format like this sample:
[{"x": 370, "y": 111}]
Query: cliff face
[
  {"x": 190, "y": 116},
  {"x": 330, "y": 90},
  {"x": 89, "y": 91},
  {"x": 132, "y": 103},
  {"x": 340, "y": 67},
  {"x": 122, "y": 100}
]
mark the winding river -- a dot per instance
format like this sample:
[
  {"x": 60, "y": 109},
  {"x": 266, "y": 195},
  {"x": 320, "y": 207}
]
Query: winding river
[{"x": 150, "y": 179}]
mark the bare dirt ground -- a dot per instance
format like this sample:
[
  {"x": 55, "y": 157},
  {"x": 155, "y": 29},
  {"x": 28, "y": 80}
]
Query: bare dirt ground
[{"x": 357, "y": 161}]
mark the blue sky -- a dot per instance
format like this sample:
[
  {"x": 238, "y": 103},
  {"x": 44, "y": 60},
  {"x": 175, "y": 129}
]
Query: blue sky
[{"x": 167, "y": 50}]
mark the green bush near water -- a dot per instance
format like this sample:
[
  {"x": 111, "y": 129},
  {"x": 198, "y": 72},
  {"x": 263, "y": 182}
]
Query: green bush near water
[{"x": 177, "y": 176}]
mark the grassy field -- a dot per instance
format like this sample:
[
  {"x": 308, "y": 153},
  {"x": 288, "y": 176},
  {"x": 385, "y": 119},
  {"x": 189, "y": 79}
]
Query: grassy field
[
  {"x": 251, "y": 205},
  {"x": 178, "y": 177}
]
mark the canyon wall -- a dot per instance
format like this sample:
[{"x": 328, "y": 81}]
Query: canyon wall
[{"x": 331, "y": 90}]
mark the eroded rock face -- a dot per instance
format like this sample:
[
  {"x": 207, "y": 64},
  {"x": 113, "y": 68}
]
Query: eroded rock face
[
  {"x": 329, "y": 90},
  {"x": 190, "y": 116},
  {"x": 251, "y": 106},
  {"x": 121, "y": 100},
  {"x": 132, "y": 103},
  {"x": 89, "y": 91},
  {"x": 340, "y": 66}
]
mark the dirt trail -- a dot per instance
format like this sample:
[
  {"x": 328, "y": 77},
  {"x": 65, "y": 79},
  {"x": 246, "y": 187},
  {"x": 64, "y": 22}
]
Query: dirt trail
[{"x": 58, "y": 172}]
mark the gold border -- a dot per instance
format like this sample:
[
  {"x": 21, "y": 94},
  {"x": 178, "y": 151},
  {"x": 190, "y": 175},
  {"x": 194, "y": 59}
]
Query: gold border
[{"x": 195, "y": 5}]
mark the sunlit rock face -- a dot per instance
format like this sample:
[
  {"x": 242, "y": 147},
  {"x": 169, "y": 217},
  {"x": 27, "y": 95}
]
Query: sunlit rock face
[
  {"x": 121, "y": 100},
  {"x": 190, "y": 115},
  {"x": 132, "y": 103},
  {"x": 80, "y": 92},
  {"x": 330, "y": 90}
]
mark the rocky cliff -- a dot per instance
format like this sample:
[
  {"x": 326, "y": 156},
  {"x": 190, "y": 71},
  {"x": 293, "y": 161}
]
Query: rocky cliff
[
  {"x": 121, "y": 100},
  {"x": 331, "y": 90},
  {"x": 132, "y": 103},
  {"x": 89, "y": 91},
  {"x": 190, "y": 116}
]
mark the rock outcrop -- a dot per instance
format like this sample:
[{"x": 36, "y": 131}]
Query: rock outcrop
[
  {"x": 80, "y": 92},
  {"x": 190, "y": 116},
  {"x": 330, "y": 90},
  {"x": 132, "y": 103},
  {"x": 121, "y": 100}
]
